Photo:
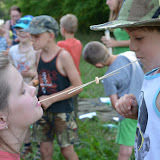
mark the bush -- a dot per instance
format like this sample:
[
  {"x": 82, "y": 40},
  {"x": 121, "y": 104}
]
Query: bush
[{"x": 89, "y": 12}]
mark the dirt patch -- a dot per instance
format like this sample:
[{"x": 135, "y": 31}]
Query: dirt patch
[{"x": 104, "y": 112}]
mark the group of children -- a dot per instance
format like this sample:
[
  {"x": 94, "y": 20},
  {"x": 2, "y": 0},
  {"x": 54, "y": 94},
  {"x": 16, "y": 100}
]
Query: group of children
[{"x": 57, "y": 69}]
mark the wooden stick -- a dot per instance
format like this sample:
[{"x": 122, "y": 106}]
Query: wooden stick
[
  {"x": 107, "y": 34},
  {"x": 86, "y": 84}
]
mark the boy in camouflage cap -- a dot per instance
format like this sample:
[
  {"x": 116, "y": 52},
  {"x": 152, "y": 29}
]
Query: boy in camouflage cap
[
  {"x": 56, "y": 73},
  {"x": 140, "y": 18}
]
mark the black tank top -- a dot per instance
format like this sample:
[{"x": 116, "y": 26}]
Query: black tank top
[{"x": 51, "y": 81}]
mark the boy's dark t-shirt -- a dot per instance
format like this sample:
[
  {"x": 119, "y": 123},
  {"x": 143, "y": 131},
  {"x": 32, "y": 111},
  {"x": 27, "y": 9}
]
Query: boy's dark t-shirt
[{"x": 51, "y": 81}]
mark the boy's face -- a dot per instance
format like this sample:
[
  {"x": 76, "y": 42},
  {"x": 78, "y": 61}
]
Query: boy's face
[
  {"x": 23, "y": 36},
  {"x": 41, "y": 41},
  {"x": 146, "y": 45}
]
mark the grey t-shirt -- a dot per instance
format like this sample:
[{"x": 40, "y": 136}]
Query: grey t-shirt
[{"x": 129, "y": 80}]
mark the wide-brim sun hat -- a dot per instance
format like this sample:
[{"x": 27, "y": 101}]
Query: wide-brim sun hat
[{"x": 134, "y": 13}]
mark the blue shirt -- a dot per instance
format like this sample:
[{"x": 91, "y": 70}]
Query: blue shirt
[{"x": 3, "y": 44}]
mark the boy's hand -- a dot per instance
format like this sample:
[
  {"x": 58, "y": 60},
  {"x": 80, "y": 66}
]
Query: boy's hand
[
  {"x": 45, "y": 104},
  {"x": 127, "y": 106}
]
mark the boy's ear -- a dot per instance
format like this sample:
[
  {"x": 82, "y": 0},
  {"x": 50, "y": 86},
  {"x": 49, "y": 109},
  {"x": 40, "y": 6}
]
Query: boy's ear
[
  {"x": 3, "y": 123},
  {"x": 99, "y": 65},
  {"x": 52, "y": 35},
  {"x": 63, "y": 31}
]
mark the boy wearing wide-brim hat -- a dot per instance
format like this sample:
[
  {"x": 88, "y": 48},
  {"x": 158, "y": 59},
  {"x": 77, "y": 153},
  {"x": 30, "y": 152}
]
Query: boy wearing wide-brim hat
[{"x": 141, "y": 20}]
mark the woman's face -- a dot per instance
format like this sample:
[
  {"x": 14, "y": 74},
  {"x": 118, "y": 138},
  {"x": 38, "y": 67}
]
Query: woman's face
[
  {"x": 23, "y": 106},
  {"x": 113, "y": 4},
  {"x": 15, "y": 15}
]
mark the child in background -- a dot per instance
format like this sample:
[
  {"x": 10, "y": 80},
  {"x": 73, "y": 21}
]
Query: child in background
[
  {"x": 129, "y": 80},
  {"x": 19, "y": 108},
  {"x": 121, "y": 42},
  {"x": 24, "y": 58},
  {"x": 56, "y": 73},
  {"x": 141, "y": 21},
  {"x": 4, "y": 45},
  {"x": 68, "y": 28}
]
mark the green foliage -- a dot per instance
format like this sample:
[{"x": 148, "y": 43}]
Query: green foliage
[
  {"x": 96, "y": 142},
  {"x": 3, "y": 10},
  {"x": 89, "y": 12}
]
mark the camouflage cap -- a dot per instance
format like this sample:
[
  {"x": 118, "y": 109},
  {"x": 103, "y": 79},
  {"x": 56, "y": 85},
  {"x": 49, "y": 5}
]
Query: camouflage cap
[
  {"x": 134, "y": 13},
  {"x": 43, "y": 23}
]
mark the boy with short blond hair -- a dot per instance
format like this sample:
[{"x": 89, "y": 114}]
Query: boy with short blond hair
[
  {"x": 56, "y": 73},
  {"x": 69, "y": 22},
  {"x": 68, "y": 28},
  {"x": 116, "y": 86},
  {"x": 142, "y": 23}
]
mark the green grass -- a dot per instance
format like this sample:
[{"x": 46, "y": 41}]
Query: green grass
[{"x": 95, "y": 141}]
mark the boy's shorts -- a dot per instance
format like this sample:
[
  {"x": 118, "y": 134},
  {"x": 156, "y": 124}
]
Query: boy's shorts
[
  {"x": 126, "y": 132},
  {"x": 63, "y": 125}
]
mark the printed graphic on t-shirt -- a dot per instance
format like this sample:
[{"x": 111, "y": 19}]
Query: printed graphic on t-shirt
[
  {"x": 22, "y": 66},
  {"x": 142, "y": 141},
  {"x": 47, "y": 79}
]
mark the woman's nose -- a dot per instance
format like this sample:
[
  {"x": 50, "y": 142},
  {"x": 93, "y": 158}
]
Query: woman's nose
[{"x": 32, "y": 91}]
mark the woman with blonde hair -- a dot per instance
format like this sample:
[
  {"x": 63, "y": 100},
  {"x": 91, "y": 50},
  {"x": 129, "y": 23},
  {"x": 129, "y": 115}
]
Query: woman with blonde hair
[{"x": 19, "y": 108}]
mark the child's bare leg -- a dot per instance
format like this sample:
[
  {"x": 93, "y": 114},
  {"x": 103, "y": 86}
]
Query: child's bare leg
[
  {"x": 124, "y": 152},
  {"x": 46, "y": 150},
  {"x": 69, "y": 153}
]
